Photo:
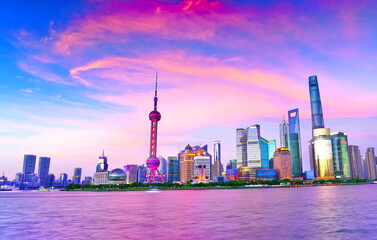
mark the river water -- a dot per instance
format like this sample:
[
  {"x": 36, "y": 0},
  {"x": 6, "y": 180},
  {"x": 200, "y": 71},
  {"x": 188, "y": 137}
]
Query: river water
[{"x": 347, "y": 212}]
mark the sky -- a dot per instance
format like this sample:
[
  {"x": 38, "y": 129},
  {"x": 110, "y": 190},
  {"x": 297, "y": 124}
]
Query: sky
[{"x": 77, "y": 77}]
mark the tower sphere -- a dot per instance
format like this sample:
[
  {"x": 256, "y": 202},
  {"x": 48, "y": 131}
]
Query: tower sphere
[
  {"x": 153, "y": 162},
  {"x": 154, "y": 116}
]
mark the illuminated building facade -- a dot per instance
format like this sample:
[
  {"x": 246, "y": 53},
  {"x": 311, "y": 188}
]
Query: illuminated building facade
[
  {"x": 117, "y": 176},
  {"x": 142, "y": 171},
  {"x": 341, "y": 160},
  {"x": 282, "y": 163},
  {"x": 271, "y": 149},
  {"x": 253, "y": 146},
  {"x": 370, "y": 160},
  {"x": 283, "y": 129},
  {"x": 266, "y": 174},
  {"x": 293, "y": 145},
  {"x": 247, "y": 174},
  {"x": 241, "y": 147},
  {"x": 187, "y": 164},
  {"x": 265, "y": 160},
  {"x": 355, "y": 161},
  {"x": 153, "y": 162},
  {"x": 163, "y": 169},
  {"x": 102, "y": 165},
  {"x": 323, "y": 153},
  {"x": 202, "y": 163},
  {"x": 132, "y": 173},
  {"x": 43, "y": 170},
  {"x": 173, "y": 169}
]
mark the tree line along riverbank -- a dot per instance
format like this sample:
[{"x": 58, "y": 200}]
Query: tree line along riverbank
[{"x": 211, "y": 185}]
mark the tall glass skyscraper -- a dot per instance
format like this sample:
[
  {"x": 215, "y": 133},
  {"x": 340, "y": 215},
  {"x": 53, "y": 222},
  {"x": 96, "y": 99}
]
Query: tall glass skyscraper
[
  {"x": 76, "y": 179},
  {"x": 241, "y": 147},
  {"x": 265, "y": 160},
  {"x": 29, "y": 164},
  {"x": 295, "y": 142},
  {"x": 253, "y": 146},
  {"x": 283, "y": 129},
  {"x": 340, "y": 155},
  {"x": 271, "y": 149},
  {"x": 216, "y": 170},
  {"x": 315, "y": 103},
  {"x": 323, "y": 153},
  {"x": 355, "y": 162},
  {"x": 43, "y": 170}
]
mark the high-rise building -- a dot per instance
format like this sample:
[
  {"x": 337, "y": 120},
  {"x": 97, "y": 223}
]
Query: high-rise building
[
  {"x": 271, "y": 149},
  {"x": 370, "y": 159},
  {"x": 283, "y": 129},
  {"x": 187, "y": 164},
  {"x": 173, "y": 169},
  {"x": 43, "y": 170},
  {"x": 102, "y": 165},
  {"x": 163, "y": 167},
  {"x": 28, "y": 167},
  {"x": 340, "y": 155},
  {"x": 295, "y": 142},
  {"x": 142, "y": 171},
  {"x": 293, "y": 145},
  {"x": 50, "y": 180},
  {"x": 265, "y": 158},
  {"x": 241, "y": 147},
  {"x": 355, "y": 162},
  {"x": 216, "y": 169},
  {"x": 253, "y": 146},
  {"x": 63, "y": 179},
  {"x": 315, "y": 103},
  {"x": 202, "y": 168},
  {"x": 233, "y": 164},
  {"x": 282, "y": 163},
  {"x": 131, "y": 170},
  {"x": 323, "y": 153},
  {"x": 76, "y": 179}
]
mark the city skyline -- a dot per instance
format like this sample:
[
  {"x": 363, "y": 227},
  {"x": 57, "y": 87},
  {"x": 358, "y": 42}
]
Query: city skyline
[{"x": 70, "y": 91}]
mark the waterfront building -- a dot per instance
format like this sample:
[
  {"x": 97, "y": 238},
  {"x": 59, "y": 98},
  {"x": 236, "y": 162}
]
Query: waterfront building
[
  {"x": 283, "y": 129},
  {"x": 282, "y": 163},
  {"x": 294, "y": 144},
  {"x": 217, "y": 170},
  {"x": 43, "y": 170},
  {"x": 315, "y": 103},
  {"x": 187, "y": 164},
  {"x": 19, "y": 177},
  {"x": 241, "y": 147},
  {"x": 253, "y": 146},
  {"x": 117, "y": 176},
  {"x": 101, "y": 178},
  {"x": 271, "y": 149},
  {"x": 355, "y": 162},
  {"x": 163, "y": 167},
  {"x": 28, "y": 167},
  {"x": 233, "y": 164},
  {"x": 364, "y": 167},
  {"x": 341, "y": 162},
  {"x": 323, "y": 153},
  {"x": 76, "y": 179},
  {"x": 311, "y": 157},
  {"x": 266, "y": 174},
  {"x": 63, "y": 179},
  {"x": 202, "y": 163},
  {"x": 247, "y": 174},
  {"x": 131, "y": 170},
  {"x": 265, "y": 160},
  {"x": 309, "y": 175},
  {"x": 87, "y": 180},
  {"x": 141, "y": 173},
  {"x": 102, "y": 165},
  {"x": 173, "y": 169},
  {"x": 232, "y": 174},
  {"x": 370, "y": 159}
]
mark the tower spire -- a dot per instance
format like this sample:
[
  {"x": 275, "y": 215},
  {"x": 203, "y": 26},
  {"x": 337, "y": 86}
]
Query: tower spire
[{"x": 155, "y": 95}]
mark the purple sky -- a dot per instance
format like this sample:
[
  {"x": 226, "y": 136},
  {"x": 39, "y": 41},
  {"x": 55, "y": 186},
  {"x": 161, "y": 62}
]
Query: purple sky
[{"x": 78, "y": 77}]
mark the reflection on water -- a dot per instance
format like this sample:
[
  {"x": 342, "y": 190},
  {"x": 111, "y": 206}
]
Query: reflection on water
[{"x": 348, "y": 212}]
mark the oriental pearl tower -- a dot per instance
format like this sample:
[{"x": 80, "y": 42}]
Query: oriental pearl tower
[{"x": 153, "y": 162}]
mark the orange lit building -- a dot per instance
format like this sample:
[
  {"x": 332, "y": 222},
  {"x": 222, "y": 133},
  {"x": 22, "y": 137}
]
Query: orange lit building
[
  {"x": 190, "y": 169},
  {"x": 282, "y": 163}
]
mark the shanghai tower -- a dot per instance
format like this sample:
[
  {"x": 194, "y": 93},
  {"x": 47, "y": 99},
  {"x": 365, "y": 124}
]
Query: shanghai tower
[
  {"x": 315, "y": 102},
  {"x": 153, "y": 162}
]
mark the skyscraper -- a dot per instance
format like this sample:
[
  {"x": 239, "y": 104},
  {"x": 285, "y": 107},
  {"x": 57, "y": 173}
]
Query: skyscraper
[
  {"x": 153, "y": 162},
  {"x": 340, "y": 155},
  {"x": 131, "y": 171},
  {"x": 28, "y": 167},
  {"x": 141, "y": 173},
  {"x": 315, "y": 103},
  {"x": 102, "y": 165},
  {"x": 76, "y": 179},
  {"x": 253, "y": 146},
  {"x": 265, "y": 158},
  {"x": 284, "y": 129},
  {"x": 173, "y": 169},
  {"x": 43, "y": 170},
  {"x": 202, "y": 168},
  {"x": 271, "y": 149},
  {"x": 355, "y": 162},
  {"x": 241, "y": 147},
  {"x": 282, "y": 163},
  {"x": 323, "y": 153},
  {"x": 187, "y": 164},
  {"x": 217, "y": 159},
  {"x": 163, "y": 169},
  {"x": 370, "y": 158},
  {"x": 294, "y": 145}
]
